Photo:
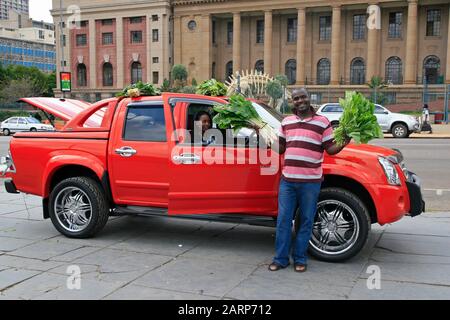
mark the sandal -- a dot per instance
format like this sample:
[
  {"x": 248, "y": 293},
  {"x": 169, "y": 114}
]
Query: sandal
[
  {"x": 300, "y": 268},
  {"x": 275, "y": 267}
]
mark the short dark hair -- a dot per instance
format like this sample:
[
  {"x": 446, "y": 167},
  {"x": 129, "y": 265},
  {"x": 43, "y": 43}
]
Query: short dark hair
[
  {"x": 199, "y": 114},
  {"x": 425, "y": 106}
]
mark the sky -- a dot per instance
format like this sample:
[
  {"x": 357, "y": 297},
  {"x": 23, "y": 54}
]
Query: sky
[{"x": 40, "y": 10}]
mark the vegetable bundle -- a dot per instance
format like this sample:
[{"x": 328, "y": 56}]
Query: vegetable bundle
[
  {"x": 358, "y": 120},
  {"x": 139, "y": 89},
  {"x": 212, "y": 88},
  {"x": 240, "y": 113}
]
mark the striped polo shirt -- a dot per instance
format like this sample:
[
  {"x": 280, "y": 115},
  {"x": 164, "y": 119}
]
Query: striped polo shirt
[{"x": 306, "y": 141}]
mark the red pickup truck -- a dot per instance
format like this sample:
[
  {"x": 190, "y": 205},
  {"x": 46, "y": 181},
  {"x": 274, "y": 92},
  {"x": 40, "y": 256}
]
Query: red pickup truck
[{"x": 134, "y": 156}]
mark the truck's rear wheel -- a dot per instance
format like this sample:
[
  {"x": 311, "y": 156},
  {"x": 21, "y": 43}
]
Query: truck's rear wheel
[
  {"x": 341, "y": 226},
  {"x": 78, "y": 207}
]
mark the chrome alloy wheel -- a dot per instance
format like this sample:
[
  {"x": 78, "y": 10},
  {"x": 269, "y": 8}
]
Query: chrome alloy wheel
[
  {"x": 73, "y": 209},
  {"x": 335, "y": 229},
  {"x": 399, "y": 131}
]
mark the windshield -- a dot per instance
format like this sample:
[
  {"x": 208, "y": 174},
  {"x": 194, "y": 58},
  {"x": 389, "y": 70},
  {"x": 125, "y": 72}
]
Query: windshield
[
  {"x": 269, "y": 114},
  {"x": 33, "y": 120}
]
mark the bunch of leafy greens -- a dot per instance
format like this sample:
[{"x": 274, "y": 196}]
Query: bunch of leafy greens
[
  {"x": 358, "y": 120},
  {"x": 239, "y": 113},
  {"x": 139, "y": 89},
  {"x": 212, "y": 88}
]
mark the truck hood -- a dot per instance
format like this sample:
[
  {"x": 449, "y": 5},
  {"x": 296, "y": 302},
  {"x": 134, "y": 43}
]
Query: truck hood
[
  {"x": 65, "y": 109},
  {"x": 369, "y": 150}
]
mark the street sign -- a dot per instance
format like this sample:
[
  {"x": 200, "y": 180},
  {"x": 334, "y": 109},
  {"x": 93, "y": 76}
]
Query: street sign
[{"x": 66, "y": 81}]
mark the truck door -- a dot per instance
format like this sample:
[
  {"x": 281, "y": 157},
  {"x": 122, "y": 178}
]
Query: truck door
[
  {"x": 138, "y": 154},
  {"x": 222, "y": 177},
  {"x": 383, "y": 117}
]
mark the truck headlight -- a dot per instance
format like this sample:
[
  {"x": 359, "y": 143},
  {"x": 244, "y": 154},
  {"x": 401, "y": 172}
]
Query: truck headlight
[{"x": 390, "y": 171}]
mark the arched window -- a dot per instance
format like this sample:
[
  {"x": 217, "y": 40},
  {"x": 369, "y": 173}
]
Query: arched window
[
  {"x": 81, "y": 75},
  {"x": 259, "y": 66},
  {"x": 431, "y": 69},
  {"x": 228, "y": 70},
  {"x": 358, "y": 71},
  {"x": 291, "y": 71},
  {"x": 394, "y": 70},
  {"x": 108, "y": 74},
  {"x": 136, "y": 72},
  {"x": 323, "y": 71}
]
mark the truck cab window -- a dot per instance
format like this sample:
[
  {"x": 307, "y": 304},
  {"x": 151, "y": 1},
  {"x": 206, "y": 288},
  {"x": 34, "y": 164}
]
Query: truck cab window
[{"x": 145, "y": 123}]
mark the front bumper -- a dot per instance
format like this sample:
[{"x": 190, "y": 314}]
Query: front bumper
[
  {"x": 417, "y": 204},
  {"x": 11, "y": 187}
]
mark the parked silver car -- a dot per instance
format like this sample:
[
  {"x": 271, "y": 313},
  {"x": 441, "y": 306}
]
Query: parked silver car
[
  {"x": 400, "y": 125},
  {"x": 20, "y": 124}
]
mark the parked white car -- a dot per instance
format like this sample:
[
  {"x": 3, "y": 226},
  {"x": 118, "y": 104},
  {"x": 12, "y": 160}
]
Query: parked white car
[
  {"x": 400, "y": 125},
  {"x": 20, "y": 124}
]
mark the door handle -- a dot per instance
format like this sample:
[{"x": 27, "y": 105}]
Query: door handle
[
  {"x": 126, "y": 152},
  {"x": 186, "y": 159}
]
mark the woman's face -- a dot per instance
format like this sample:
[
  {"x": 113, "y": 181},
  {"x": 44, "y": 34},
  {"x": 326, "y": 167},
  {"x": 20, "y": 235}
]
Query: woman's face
[{"x": 205, "y": 122}]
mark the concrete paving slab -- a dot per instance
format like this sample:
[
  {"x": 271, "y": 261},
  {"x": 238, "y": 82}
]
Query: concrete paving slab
[
  {"x": 11, "y": 244},
  {"x": 382, "y": 255},
  {"x": 45, "y": 250},
  {"x": 213, "y": 278},
  {"x": 420, "y": 226},
  {"x": 395, "y": 290},
  {"x": 11, "y": 277},
  {"x": 35, "y": 213},
  {"x": 21, "y": 229},
  {"x": 75, "y": 254},
  {"x": 286, "y": 285},
  {"x": 120, "y": 265},
  {"x": 415, "y": 244},
  {"x": 423, "y": 273},
  {"x": 27, "y": 263},
  {"x": 135, "y": 292},
  {"x": 6, "y": 208},
  {"x": 48, "y": 286}
]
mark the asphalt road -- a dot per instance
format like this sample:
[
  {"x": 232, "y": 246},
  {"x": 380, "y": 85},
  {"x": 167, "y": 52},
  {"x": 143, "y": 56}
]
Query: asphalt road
[{"x": 428, "y": 158}]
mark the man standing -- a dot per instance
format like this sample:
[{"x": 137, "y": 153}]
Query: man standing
[{"x": 303, "y": 138}]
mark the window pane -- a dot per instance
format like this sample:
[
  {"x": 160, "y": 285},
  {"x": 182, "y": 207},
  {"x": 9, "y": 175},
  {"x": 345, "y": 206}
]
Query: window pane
[
  {"x": 136, "y": 36},
  {"x": 325, "y": 28},
  {"x": 230, "y": 32},
  {"x": 394, "y": 73},
  {"x": 107, "y": 74},
  {"x": 260, "y": 31},
  {"x": 145, "y": 124},
  {"x": 155, "y": 35},
  {"x": 357, "y": 72},
  {"x": 292, "y": 30},
  {"x": 107, "y": 38},
  {"x": 136, "y": 72},
  {"x": 323, "y": 72},
  {"x": 433, "y": 22},
  {"x": 359, "y": 27},
  {"x": 81, "y": 39},
  {"x": 291, "y": 71},
  {"x": 395, "y": 25}
]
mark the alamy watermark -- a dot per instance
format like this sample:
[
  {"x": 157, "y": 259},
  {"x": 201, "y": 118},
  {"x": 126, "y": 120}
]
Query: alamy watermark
[
  {"x": 374, "y": 280},
  {"x": 74, "y": 279}
]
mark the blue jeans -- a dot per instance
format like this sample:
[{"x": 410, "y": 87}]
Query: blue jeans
[{"x": 293, "y": 195}]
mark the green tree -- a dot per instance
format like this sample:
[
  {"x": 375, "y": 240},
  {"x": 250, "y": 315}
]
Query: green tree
[
  {"x": 377, "y": 84},
  {"x": 179, "y": 72}
]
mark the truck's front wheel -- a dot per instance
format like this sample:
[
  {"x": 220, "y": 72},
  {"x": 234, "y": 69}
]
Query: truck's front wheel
[
  {"x": 341, "y": 227},
  {"x": 78, "y": 207}
]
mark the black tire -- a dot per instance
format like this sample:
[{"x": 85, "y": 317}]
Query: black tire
[
  {"x": 357, "y": 238},
  {"x": 33, "y": 129},
  {"x": 6, "y": 132},
  {"x": 400, "y": 131},
  {"x": 93, "y": 192}
]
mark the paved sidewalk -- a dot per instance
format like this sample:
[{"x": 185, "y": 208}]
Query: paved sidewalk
[
  {"x": 440, "y": 131},
  {"x": 156, "y": 258}
]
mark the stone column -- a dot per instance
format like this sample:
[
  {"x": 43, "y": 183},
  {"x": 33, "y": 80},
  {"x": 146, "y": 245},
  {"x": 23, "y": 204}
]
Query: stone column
[
  {"x": 177, "y": 40},
  {"x": 268, "y": 36},
  {"x": 411, "y": 44},
  {"x": 336, "y": 45},
  {"x": 447, "y": 73},
  {"x": 150, "y": 49},
  {"x": 301, "y": 44},
  {"x": 93, "y": 69},
  {"x": 236, "y": 42},
  {"x": 120, "y": 59},
  {"x": 372, "y": 52},
  {"x": 205, "y": 63}
]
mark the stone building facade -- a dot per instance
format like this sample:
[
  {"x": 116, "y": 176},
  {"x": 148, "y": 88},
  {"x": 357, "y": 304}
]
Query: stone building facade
[{"x": 328, "y": 46}]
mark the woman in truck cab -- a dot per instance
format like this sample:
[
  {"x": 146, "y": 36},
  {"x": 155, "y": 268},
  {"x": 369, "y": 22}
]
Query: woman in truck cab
[{"x": 203, "y": 123}]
